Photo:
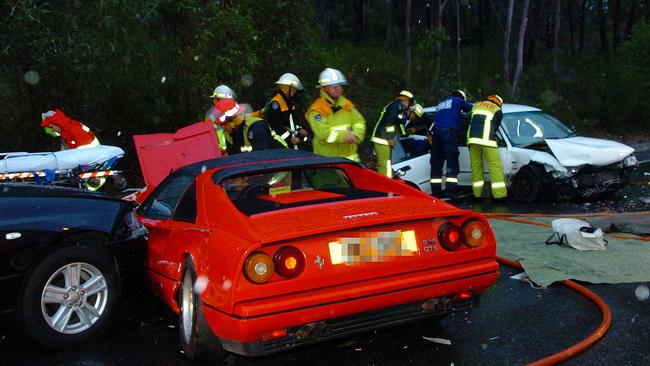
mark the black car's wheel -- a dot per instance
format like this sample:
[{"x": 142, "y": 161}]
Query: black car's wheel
[
  {"x": 69, "y": 296},
  {"x": 197, "y": 339},
  {"x": 526, "y": 184}
]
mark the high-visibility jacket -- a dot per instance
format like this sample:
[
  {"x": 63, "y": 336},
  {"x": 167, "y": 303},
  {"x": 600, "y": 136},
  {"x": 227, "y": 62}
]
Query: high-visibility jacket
[
  {"x": 391, "y": 123},
  {"x": 259, "y": 136},
  {"x": 485, "y": 120},
  {"x": 331, "y": 121},
  {"x": 283, "y": 117},
  {"x": 74, "y": 134}
]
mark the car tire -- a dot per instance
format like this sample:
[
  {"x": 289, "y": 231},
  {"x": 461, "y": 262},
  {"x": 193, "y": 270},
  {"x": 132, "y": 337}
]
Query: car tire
[
  {"x": 526, "y": 185},
  {"x": 69, "y": 296},
  {"x": 197, "y": 340}
]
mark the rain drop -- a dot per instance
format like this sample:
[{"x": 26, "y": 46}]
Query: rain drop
[
  {"x": 163, "y": 79},
  {"x": 391, "y": 194},
  {"x": 483, "y": 346},
  {"x": 5, "y": 189},
  {"x": 642, "y": 292},
  {"x": 201, "y": 284},
  {"x": 119, "y": 133},
  {"x": 32, "y": 77},
  {"x": 196, "y": 58},
  {"x": 156, "y": 120},
  {"x": 204, "y": 168},
  {"x": 227, "y": 284}
]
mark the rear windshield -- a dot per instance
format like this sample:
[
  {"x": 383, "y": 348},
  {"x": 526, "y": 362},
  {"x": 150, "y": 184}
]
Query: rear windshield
[{"x": 280, "y": 189}]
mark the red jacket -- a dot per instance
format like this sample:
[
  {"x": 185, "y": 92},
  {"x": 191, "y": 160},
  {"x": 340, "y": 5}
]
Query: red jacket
[{"x": 73, "y": 133}]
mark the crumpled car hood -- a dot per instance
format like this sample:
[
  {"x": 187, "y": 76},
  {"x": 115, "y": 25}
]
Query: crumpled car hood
[{"x": 576, "y": 151}]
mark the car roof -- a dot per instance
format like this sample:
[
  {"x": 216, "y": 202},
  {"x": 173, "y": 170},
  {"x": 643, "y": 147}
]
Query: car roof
[
  {"x": 507, "y": 108},
  {"x": 258, "y": 160}
]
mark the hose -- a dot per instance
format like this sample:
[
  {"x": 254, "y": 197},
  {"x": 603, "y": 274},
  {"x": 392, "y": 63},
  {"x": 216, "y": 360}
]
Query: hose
[{"x": 581, "y": 346}]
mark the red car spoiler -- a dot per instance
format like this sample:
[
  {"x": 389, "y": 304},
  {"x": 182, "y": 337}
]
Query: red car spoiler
[{"x": 161, "y": 153}]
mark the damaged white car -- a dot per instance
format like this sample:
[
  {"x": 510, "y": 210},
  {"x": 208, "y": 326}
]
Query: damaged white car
[{"x": 541, "y": 158}]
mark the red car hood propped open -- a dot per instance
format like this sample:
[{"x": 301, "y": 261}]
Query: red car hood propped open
[
  {"x": 272, "y": 226},
  {"x": 161, "y": 153}
]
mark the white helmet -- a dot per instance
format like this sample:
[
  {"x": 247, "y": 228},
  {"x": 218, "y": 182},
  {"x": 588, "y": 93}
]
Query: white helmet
[
  {"x": 223, "y": 91},
  {"x": 331, "y": 77},
  {"x": 290, "y": 80}
]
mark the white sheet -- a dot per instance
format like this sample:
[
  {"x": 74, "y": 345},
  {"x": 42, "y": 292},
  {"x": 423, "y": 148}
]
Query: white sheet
[{"x": 60, "y": 160}]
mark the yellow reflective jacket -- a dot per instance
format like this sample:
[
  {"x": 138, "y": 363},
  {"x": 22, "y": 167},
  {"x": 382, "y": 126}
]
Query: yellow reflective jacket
[{"x": 331, "y": 121}]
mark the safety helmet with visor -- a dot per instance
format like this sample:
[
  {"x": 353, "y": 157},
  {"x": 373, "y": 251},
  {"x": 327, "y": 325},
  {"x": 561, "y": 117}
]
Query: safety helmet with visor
[
  {"x": 495, "y": 99},
  {"x": 331, "y": 77},
  {"x": 223, "y": 91},
  {"x": 290, "y": 80}
]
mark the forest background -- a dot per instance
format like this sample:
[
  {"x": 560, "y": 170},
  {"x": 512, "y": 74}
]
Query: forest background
[{"x": 146, "y": 66}]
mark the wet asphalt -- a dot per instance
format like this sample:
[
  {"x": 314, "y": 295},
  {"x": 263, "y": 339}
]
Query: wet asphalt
[{"x": 514, "y": 325}]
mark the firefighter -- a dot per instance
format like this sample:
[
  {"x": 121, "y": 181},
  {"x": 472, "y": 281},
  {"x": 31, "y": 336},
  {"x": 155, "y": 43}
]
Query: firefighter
[
  {"x": 219, "y": 93},
  {"x": 282, "y": 115},
  {"x": 481, "y": 140},
  {"x": 391, "y": 123},
  {"x": 73, "y": 135},
  {"x": 444, "y": 146},
  {"x": 246, "y": 132},
  {"x": 337, "y": 125}
]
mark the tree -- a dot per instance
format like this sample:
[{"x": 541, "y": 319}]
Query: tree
[
  {"x": 602, "y": 28},
  {"x": 458, "y": 39},
  {"x": 407, "y": 56},
  {"x": 520, "y": 46},
  {"x": 556, "y": 34},
  {"x": 441, "y": 9},
  {"x": 505, "y": 66}
]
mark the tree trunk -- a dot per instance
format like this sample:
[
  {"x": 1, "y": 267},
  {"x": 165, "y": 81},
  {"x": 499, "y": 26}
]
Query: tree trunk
[
  {"x": 520, "y": 46},
  {"x": 629, "y": 24},
  {"x": 407, "y": 56},
  {"x": 390, "y": 29},
  {"x": 582, "y": 25},
  {"x": 571, "y": 26},
  {"x": 505, "y": 65},
  {"x": 458, "y": 39},
  {"x": 326, "y": 20},
  {"x": 480, "y": 27},
  {"x": 615, "y": 11},
  {"x": 602, "y": 29},
  {"x": 441, "y": 8},
  {"x": 359, "y": 20},
  {"x": 556, "y": 34}
]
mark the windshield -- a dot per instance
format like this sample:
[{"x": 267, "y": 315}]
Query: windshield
[
  {"x": 524, "y": 128},
  {"x": 279, "y": 189}
]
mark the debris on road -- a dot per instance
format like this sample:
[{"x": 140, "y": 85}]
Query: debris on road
[{"x": 438, "y": 340}]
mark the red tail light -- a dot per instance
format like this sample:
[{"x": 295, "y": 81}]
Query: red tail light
[
  {"x": 450, "y": 236},
  {"x": 289, "y": 262}
]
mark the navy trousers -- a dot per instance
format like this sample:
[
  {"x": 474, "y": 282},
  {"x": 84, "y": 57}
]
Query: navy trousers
[{"x": 444, "y": 147}]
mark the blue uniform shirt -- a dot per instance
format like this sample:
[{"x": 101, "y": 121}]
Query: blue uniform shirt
[{"x": 448, "y": 112}]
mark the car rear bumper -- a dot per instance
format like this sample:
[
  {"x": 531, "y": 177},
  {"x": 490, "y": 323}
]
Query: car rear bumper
[{"x": 244, "y": 334}]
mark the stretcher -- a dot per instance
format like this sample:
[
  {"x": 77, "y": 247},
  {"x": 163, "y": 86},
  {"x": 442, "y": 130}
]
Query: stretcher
[{"x": 69, "y": 167}]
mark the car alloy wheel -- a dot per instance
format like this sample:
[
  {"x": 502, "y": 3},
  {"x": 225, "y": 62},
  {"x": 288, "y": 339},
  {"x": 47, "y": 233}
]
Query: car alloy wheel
[
  {"x": 74, "y": 298},
  {"x": 187, "y": 307}
]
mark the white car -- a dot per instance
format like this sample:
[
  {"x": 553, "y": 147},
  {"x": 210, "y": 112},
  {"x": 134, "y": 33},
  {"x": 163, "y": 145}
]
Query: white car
[{"x": 541, "y": 157}]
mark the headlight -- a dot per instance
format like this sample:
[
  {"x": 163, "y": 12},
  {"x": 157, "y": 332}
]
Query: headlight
[{"x": 630, "y": 161}]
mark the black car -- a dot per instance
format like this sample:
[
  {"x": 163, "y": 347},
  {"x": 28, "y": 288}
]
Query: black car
[{"x": 63, "y": 255}]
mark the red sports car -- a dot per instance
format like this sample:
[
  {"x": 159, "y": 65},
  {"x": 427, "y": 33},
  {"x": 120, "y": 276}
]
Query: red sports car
[{"x": 268, "y": 250}]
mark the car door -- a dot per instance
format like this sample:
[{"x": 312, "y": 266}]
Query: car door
[
  {"x": 410, "y": 158},
  {"x": 168, "y": 214}
]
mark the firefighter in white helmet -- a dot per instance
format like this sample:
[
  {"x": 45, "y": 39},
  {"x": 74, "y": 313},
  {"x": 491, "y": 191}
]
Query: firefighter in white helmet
[
  {"x": 283, "y": 115},
  {"x": 337, "y": 125},
  {"x": 220, "y": 92}
]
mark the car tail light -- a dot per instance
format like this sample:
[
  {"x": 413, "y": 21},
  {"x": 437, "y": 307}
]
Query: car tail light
[
  {"x": 450, "y": 236},
  {"x": 258, "y": 267},
  {"x": 289, "y": 262},
  {"x": 474, "y": 233}
]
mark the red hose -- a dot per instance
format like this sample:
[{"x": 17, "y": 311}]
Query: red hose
[{"x": 585, "y": 343}]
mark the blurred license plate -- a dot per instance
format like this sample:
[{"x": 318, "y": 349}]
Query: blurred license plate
[{"x": 373, "y": 247}]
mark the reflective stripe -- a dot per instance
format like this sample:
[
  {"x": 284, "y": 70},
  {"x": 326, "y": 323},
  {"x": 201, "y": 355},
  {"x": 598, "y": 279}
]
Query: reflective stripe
[
  {"x": 478, "y": 184},
  {"x": 451, "y": 180},
  {"x": 389, "y": 169},
  {"x": 499, "y": 185},
  {"x": 334, "y": 133},
  {"x": 436, "y": 181},
  {"x": 479, "y": 141},
  {"x": 379, "y": 141},
  {"x": 390, "y": 128},
  {"x": 246, "y": 148},
  {"x": 285, "y": 135}
]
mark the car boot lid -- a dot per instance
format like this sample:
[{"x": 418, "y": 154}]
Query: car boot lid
[{"x": 577, "y": 151}]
